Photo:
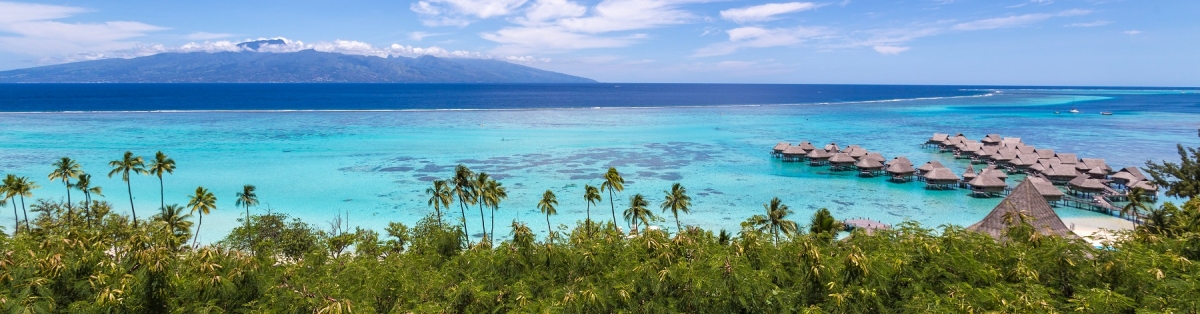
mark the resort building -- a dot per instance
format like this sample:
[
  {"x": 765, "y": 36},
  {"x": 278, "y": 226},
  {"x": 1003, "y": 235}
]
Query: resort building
[
  {"x": 986, "y": 184},
  {"x": 940, "y": 178},
  {"x": 818, "y": 157},
  {"x": 1023, "y": 201},
  {"x": 793, "y": 153},
  {"x": 841, "y": 161},
  {"x": 868, "y": 167},
  {"x": 1128, "y": 175},
  {"x": 806, "y": 146},
  {"x": 778, "y": 150},
  {"x": 929, "y": 166},
  {"x": 1083, "y": 185},
  {"x": 991, "y": 140},
  {"x": 900, "y": 169},
  {"x": 1048, "y": 191}
]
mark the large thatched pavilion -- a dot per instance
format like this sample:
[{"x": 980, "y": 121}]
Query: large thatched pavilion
[{"x": 1024, "y": 203}]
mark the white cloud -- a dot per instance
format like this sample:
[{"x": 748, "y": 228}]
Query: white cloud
[
  {"x": 555, "y": 26},
  {"x": 459, "y": 12},
  {"x": 1132, "y": 32},
  {"x": 1014, "y": 20},
  {"x": 32, "y": 29},
  {"x": 207, "y": 36},
  {"x": 758, "y": 37},
  {"x": 764, "y": 12},
  {"x": 890, "y": 50},
  {"x": 1089, "y": 24},
  {"x": 418, "y": 36}
]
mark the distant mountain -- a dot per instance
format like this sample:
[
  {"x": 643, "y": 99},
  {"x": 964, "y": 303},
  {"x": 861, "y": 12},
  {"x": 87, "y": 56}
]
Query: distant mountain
[{"x": 294, "y": 67}]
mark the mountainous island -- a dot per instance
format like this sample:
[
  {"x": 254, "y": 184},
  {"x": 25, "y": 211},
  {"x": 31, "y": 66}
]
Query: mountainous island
[{"x": 305, "y": 66}]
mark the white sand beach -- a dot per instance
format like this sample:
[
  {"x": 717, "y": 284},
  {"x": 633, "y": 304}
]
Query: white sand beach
[{"x": 1097, "y": 229}]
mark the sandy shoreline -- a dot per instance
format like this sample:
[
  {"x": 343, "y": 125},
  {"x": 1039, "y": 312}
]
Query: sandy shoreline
[{"x": 1097, "y": 229}]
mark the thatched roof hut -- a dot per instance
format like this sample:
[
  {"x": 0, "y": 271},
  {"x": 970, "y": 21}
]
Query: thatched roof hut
[
  {"x": 991, "y": 139},
  {"x": 1094, "y": 163},
  {"x": 1128, "y": 175},
  {"x": 1060, "y": 172},
  {"x": 1097, "y": 173},
  {"x": 1045, "y": 153},
  {"x": 793, "y": 153},
  {"x": 1067, "y": 158},
  {"x": 999, "y": 174},
  {"x": 969, "y": 174},
  {"x": 1025, "y": 149},
  {"x": 988, "y": 151},
  {"x": 1046, "y": 189},
  {"x": 1023, "y": 201},
  {"x": 987, "y": 182},
  {"x": 937, "y": 138},
  {"x": 900, "y": 160},
  {"x": 819, "y": 154},
  {"x": 1145, "y": 185},
  {"x": 841, "y": 159},
  {"x": 780, "y": 147},
  {"x": 900, "y": 166},
  {"x": 806, "y": 146},
  {"x": 874, "y": 156},
  {"x": 941, "y": 175},
  {"x": 832, "y": 148},
  {"x": 1004, "y": 155},
  {"x": 1084, "y": 183},
  {"x": 930, "y": 165},
  {"x": 857, "y": 152},
  {"x": 1011, "y": 140},
  {"x": 1024, "y": 160},
  {"x": 850, "y": 148},
  {"x": 865, "y": 164}
]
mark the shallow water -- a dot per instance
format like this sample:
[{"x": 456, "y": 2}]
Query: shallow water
[{"x": 375, "y": 165}]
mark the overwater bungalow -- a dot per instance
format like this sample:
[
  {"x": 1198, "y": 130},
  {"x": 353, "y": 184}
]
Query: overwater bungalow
[
  {"x": 1083, "y": 185},
  {"x": 841, "y": 161},
  {"x": 793, "y": 153},
  {"x": 1060, "y": 173},
  {"x": 1025, "y": 149},
  {"x": 868, "y": 167},
  {"x": 969, "y": 150},
  {"x": 850, "y": 148},
  {"x": 929, "y": 166},
  {"x": 940, "y": 178},
  {"x": 832, "y": 148},
  {"x": 1011, "y": 141},
  {"x": 968, "y": 175},
  {"x": 985, "y": 154},
  {"x": 991, "y": 140},
  {"x": 1096, "y": 163},
  {"x": 900, "y": 169},
  {"x": 1067, "y": 158},
  {"x": 1045, "y": 153},
  {"x": 1046, "y": 189},
  {"x": 857, "y": 152},
  {"x": 1097, "y": 173},
  {"x": 937, "y": 139},
  {"x": 1124, "y": 177},
  {"x": 874, "y": 156},
  {"x": 778, "y": 150},
  {"x": 1024, "y": 161},
  {"x": 995, "y": 172},
  {"x": 819, "y": 157},
  {"x": 986, "y": 184},
  {"x": 1150, "y": 189},
  {"x": 806, "y": 146},
  {"x": 1004, "y": 156},
  {"x": 1024, "y": 200}
]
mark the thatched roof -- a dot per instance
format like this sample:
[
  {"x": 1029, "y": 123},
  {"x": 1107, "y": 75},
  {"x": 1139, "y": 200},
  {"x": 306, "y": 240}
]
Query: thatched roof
[
  {"x": 1011, "y": 140},
  {"x": 1130, "y": 174},
  {"x": 850, "y": 148},
  {"x": 1025, "y": 149},
  {"x": 832, "y": 148},
  {"x": 841, "y": 158},
  {"x": 1060, "y": 170},
  {"x": 868, "y": 164},
  {"x": 899, "y": 167},
  {"x": 900, "y": 160},
  {"x": 1044, "y": 153},
  {"x": 938, "y": 138},
  {"x": 805, "y": 145},
  {"x": 874, "y": 156},
  {"x": 781, "y": 146},
  {"x": 1084, "y": 182},
  {"x": 857, "y": 152},
  {"x": 1023, "y": 199},
  {"x": 1045, "y": 188},
  {"x": 1067, "y": 158},
  {"x": 1093, "y": 163},
  {"x": 819, "y": 154},
  {"x": 1024, "y": 160},
  {"x": 794, "y": 150},
  {"x": 1145, "y": 185},
  {"x": 1037, "y": 167},
  {"x": 970, "y": 173},
  {"x": 930, "y": 165},
  {"x": 1097, "y": 172},
  {"x": 988, "y": 150},
  {"x": 987, "y": 180},
  {"x": 1005, "y": 155},
  {"x": 991, "y": 139},
  {"x": 941, "y": 174}
]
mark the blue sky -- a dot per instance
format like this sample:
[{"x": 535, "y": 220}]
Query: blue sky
[{"x": 1011, "y": 42}]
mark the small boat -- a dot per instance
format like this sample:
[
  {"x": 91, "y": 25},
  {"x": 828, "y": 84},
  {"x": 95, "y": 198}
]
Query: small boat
[
  {"x": 1073, "y": 110},
  {"x": 1056, "y": 112},
  {"x": 1107, "y": 113}
]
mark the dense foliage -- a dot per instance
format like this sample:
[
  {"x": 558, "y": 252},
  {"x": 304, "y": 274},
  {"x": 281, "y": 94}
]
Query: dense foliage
[{"x": 94, "y": 260}]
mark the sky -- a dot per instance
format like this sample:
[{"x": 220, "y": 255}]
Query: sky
[{"x": 994, "y": 42}]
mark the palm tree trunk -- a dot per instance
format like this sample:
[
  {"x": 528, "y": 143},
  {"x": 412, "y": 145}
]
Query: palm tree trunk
[
  {"x": 589, "y": 219},
  {"x": 463, "y": 209},
  {"x": 197, "y": 236},
  {"x": 493, "y": 237},
  {"x": 87, "y": 208},
  {"x": 482, "y": 223},
  {"x": 16, "y": 219},
  {"x": 162, "y": 200},
  {"x": 549, "y": 231},
  {"x": 70, "y": 213},
  {"x": 25, "y": 212},
  {"x": 129, "y": 188},
  {"x": 613, "y": 206}
]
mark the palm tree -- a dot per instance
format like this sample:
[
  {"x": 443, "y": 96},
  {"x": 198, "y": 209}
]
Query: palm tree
[
  {"x": 496, "y": 192},
  {"x": 66, "y": 169},
  {"x": 247, "y": 198},
  {"x": 776, "y": 219},
  {"x": 439, "y": 197},
  {"x": 465, "y": 190},
  {"x": 676, "y": 201},
  {"x": 204, "y": 202},
  {"x": 637, "y": 212},
  {"x": 161, "y": 164},
  {"x": 84, "y": 183},
  {"x": 546, "y": 205},
  {"x": 613, "y": 182},
  {"x": 175, "y": 222},
  {"x": 824, "y": 224},
  {"x": 124, "y": 166},
  {"x": 480, "y": 185},
  {"x": 1137, "y": 203},
  {"x": 23, "y": 187},
  {"x": 591, "y": 195},
  {"x": 6, "y": 190}
]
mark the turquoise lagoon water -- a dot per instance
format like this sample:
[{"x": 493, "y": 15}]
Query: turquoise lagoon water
[{"x": 375, "y": 165}]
